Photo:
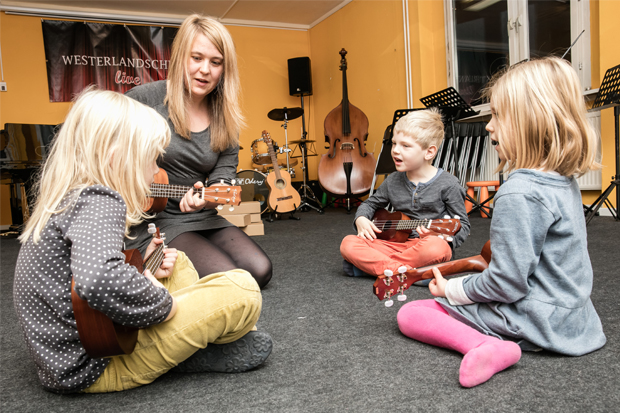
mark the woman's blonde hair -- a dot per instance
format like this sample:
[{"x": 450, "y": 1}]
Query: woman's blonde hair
[
  {"x": 424, "y": 126},
  {"x": 541, "y": 115},
  {"x": 223, "y": 102},
  {"x": 107, "y": 139}
]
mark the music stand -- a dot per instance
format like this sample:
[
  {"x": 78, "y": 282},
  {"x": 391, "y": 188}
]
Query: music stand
[
  {"x": 454, "y": 108},
  {"x": 307, "y": 195},
  {"x": 609, "y": 96}
]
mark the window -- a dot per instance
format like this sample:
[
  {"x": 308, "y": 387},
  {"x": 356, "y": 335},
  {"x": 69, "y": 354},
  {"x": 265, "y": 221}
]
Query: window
[{"x": 485, "y": 35}]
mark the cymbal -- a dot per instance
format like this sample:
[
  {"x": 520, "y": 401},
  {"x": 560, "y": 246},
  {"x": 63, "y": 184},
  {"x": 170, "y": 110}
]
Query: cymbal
[
  {"x": 285, "y": 113},
  {"x": 301, "y": 141}
]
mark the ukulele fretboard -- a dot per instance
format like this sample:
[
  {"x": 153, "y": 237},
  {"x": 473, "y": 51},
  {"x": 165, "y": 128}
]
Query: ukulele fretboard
[{"x": 170, "y": 191}]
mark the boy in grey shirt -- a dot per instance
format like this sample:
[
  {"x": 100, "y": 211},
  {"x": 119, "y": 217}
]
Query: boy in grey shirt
[{"x": 418, "y": 190}]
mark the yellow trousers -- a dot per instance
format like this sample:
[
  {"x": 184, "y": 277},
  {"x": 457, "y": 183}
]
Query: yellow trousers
[{"x": 219, "y": 308}]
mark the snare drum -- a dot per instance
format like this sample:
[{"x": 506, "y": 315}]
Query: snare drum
[
  {"x": 260, "y": 151},
  {"x": 253, "y": 187}
]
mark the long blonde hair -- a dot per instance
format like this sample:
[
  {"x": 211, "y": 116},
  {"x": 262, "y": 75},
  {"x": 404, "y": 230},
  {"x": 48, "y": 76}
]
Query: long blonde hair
[
  {"x": 223, "y": 102},
  {"x": 107, "y": 139},
  {"x": 542, "y": 118}
]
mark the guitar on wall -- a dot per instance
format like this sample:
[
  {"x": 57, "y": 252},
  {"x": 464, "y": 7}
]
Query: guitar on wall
[
  {"x": 283, "y": 197},
  {"x": 396, "y": 226},
  {"x": 100, "y": 336},
  {"x": 161, "y": 190},
  {"x": 386, "y": 287}
]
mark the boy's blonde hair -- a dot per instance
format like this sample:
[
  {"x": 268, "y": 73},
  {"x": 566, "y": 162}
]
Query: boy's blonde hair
[
  {"x": 107, "y": 139},
  {"x": 223, "y": 102},
  {"x": 424, "y": 126},
  {"x": 541, "y": 115}
]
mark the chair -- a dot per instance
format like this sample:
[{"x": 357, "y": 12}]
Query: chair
[{"x": 473, "y": 205}]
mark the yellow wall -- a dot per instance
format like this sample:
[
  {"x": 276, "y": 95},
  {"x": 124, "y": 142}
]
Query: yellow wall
[
  {"x": 608, "y": 56},
  {"x": 372, "y": 34}
]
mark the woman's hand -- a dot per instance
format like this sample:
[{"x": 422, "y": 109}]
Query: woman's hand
[
  {"x": 191, "y": 201},
  {"x": 366, "y": 229},
  {"x": 437, "y": 286},
  {"x": 167, "y": 264}
]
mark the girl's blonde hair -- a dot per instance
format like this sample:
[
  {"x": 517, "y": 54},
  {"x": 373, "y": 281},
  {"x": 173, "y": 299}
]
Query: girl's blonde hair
[
  {"x": 107, "y": 139},
  {"x": 541, "y": 115},
  {"x": 424, "y": 126},
  {"x": 223, "y": 102}
]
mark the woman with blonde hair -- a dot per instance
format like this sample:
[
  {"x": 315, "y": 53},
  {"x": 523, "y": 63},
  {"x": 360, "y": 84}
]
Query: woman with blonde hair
[
  {"x": 535, "y": 294},
  {"x": 200, "y": 101},
  {"x": 92, "y": 189}
]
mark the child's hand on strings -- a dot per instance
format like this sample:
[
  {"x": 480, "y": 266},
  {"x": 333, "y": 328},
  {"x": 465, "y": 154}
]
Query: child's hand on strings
[
  {"x": 437, "y": 286},
  {"x": 423, "y": 232},
  {"x": 366, "y": 229},
  {"x": 167, "y": 264}
]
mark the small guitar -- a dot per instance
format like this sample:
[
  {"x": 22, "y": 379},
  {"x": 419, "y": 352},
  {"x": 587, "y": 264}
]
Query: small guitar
[
  {"x": 386, "y": 287},
  {"x": 396, "y": 226},
  {"x": 100, "y": 336},
  {"x": 161, "y": 191},
  {"x": 282, "y": 197}
]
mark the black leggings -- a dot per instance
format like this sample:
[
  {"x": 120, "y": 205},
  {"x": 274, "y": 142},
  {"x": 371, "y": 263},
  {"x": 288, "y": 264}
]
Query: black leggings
[{"x": 224, "y": 249}]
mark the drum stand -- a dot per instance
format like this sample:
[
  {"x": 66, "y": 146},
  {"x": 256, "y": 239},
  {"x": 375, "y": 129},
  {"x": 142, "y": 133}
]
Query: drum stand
[{"x": 307, "y": 194}]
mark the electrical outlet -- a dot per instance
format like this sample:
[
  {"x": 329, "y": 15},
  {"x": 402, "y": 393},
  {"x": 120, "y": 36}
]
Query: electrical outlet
[{"x": 2, "y": 86}]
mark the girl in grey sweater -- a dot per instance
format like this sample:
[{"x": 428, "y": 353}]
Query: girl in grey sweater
[{"x": 536, "y": 290}]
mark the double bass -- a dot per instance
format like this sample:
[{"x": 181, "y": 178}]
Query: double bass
[{"x": 347, "y": 169}]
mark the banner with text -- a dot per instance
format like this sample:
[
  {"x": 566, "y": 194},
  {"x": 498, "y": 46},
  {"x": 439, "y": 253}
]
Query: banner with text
[{"x": 111, "y": 56}]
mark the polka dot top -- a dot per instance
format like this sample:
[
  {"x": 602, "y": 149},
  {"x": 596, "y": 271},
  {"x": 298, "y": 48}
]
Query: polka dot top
[{"x": 85, "y": 243}]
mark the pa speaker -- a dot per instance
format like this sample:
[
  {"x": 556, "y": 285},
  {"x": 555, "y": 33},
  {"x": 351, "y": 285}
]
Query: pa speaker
[{"x": 299, "y": 76}]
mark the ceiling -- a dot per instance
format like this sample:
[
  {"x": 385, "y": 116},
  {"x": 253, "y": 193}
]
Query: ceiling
[{"x": 290, "y": 14}]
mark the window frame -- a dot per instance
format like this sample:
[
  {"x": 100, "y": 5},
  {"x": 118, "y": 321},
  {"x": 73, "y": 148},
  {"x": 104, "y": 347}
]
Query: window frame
[{"x": 519, "y": 41}]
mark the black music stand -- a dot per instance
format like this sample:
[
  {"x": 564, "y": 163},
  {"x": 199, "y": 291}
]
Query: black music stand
[
  {"x": 453, "y": 108},
  {"x": 609, "y": 96}
]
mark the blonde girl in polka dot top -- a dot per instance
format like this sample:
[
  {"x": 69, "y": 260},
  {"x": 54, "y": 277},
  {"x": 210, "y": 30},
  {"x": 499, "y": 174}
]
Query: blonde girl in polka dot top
[{"x": 91, "y": 191}]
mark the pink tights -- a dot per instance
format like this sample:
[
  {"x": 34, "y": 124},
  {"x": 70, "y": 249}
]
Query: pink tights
[{"x": 428, "y": 322}]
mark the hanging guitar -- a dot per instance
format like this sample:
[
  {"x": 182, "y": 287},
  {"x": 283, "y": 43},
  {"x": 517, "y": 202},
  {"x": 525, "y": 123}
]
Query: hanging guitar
[
  {"x": 385, "y": 287},
  {"x": 100, "y": 336},
  {"x": 161, "y": 190},
  {"x": 396, "y": 226},
  {"x": 282, "y": 197}
]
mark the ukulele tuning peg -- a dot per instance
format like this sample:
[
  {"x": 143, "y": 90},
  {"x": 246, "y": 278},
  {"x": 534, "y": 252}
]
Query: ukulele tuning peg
[
  {"x": 449, "y": 239},
  {"x": 232, "y": 208},
  {"x": 389, "y": 303},
  {"x": 233, "y": 182},
  {"x": 227, "y": 189},
  {"x": 457, "y": 217},
  {"x": 152, "y": 229},
  {"x": 446, "y": 217},
  {"x": 222, "y": 181},
  {"x": 220, "y": 207},
  {"x": 401, "y": 297},
  {"x": 388, "y": 273},
  {"x": 217, "y": 190},
  {"x": 440, "y": 236}
]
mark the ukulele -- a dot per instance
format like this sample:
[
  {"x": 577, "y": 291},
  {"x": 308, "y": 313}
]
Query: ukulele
[
  {"x": 386, "y": 287},
  {"x": 397, "y": 226},
  {"x": 282, "y": 197},
  {"x": 161, "y": 191},
  {"x": 100, "y": 336}
]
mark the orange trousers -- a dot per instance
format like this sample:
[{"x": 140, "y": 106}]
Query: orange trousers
[{"x": 376, "y": 256}]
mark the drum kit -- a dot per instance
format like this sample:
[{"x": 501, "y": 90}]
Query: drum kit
[{"x": 254, "y": 181}]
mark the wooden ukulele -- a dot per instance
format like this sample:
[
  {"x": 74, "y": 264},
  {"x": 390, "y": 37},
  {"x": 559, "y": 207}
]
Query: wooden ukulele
[
  {"x": 161, "y": 191},
  {"x": 386, "y": 287},
  {"x": 100, "y": 336},
  {"x": 282, "y": 197},
  {"x": 396, "y": 226}
]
